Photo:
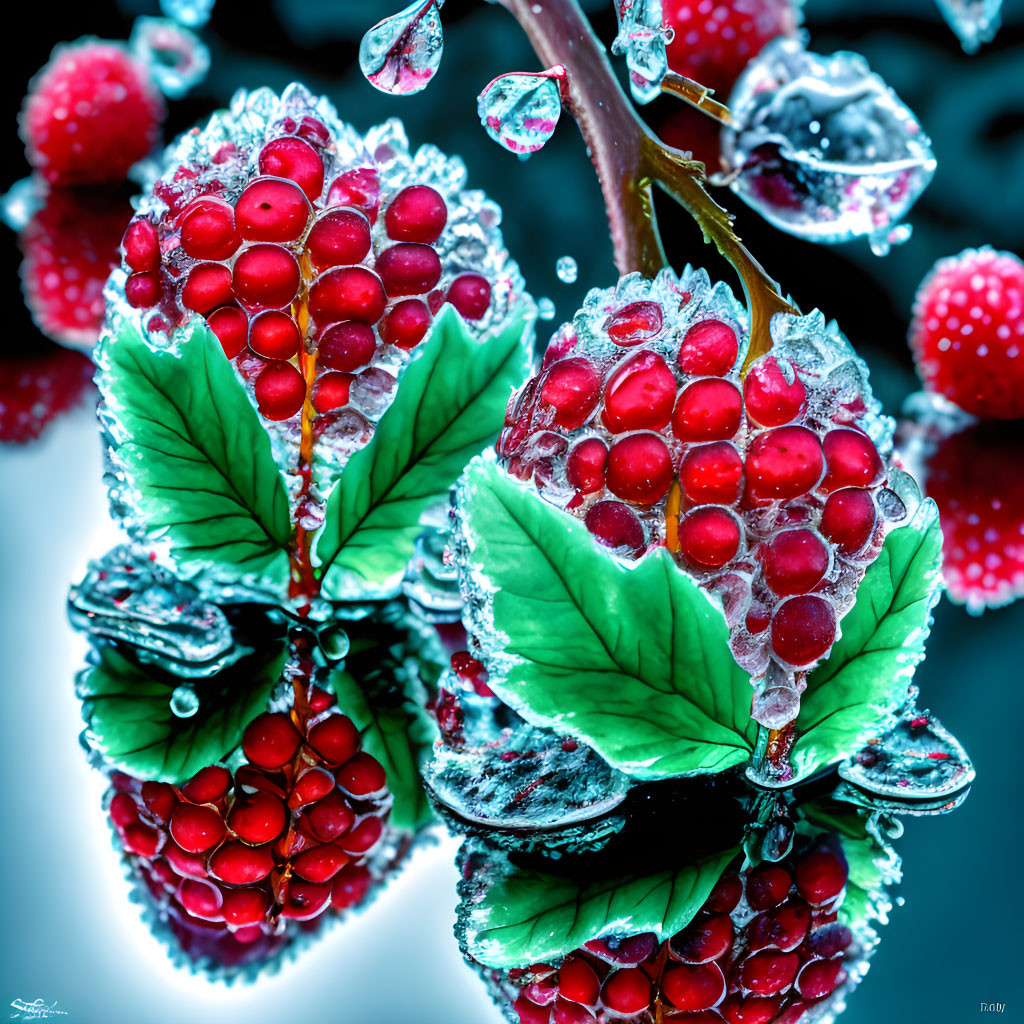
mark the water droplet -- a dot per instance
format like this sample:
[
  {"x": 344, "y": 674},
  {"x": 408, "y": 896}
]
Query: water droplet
[
  {"x": 882, "y": 242},
  {"x": 642, "y": 38},
  {"x": 974, "y": 21},
  {"x": 520, "y": 110},
  {"x": 335, "y": 642},
  {"x": 401, "y": 54},
  {"x": 176, "y": 58},
  {"x": 566, "y": 269},
  {"x": 194, "y": 13},
  {"x": 184, "y": 702},
  {"x": 20, "y": 203},
  {"x": 857, "y": 176},
  {"x": 545, "y": 309}
]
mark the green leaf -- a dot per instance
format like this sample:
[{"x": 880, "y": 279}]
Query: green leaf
[
  {"x": 528, "y": 917},
  {"x": 196, "y": 453},
  {"x": 396, "y": 731},
  {"x": 130, "y": 718},
  {"x": 867, "y": 674},
  {"x": 632, "y": 659},
  {"x": 449, "y": 405}
]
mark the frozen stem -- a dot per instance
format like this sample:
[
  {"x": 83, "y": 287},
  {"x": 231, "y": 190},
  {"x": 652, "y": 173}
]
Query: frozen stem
[{"x": 697, "y": 96}]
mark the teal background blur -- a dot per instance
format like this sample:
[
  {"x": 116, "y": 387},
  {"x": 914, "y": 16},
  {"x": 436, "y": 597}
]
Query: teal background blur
[{"x": 69, "y": 935}]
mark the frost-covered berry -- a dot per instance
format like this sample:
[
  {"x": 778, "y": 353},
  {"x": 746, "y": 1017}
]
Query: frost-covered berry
[{"x": 90, "y": 114}]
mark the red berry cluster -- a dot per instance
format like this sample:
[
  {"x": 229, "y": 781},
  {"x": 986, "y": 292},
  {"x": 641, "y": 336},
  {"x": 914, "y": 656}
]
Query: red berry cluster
[
  {"x": 313, "y": 273},
  {"x": 762, "y": 485},
  {"x": 285, "y": 836},
  {"x": 766, "y": 946}
]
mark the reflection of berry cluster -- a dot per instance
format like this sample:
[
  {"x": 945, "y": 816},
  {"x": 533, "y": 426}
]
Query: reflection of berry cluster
[
  {"x": 317, "y": 263},
  {"x": 766, "y": 946},
  {"x": 290, "y": 833},
  {"x": 763, "y": 485}
]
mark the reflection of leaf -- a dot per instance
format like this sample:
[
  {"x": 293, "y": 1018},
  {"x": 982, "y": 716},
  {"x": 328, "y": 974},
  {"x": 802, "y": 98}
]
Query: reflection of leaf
[
  {"x": 396, "y": 731},
  {"x": 196, "y": 452},
  {"x": 634, "y": 660},
  {"x": 526, "y": 917},
  {"x": 132, "y": 725},
  {"x": 883, "y": 638},
  {"x": 449, "y": 404}
]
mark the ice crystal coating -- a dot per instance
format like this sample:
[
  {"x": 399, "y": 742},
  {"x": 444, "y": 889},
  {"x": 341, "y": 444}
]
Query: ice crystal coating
[
  {"x": 825, "y": 150},
  {"x": 642, "y": 37},
  {"x": 520, "y": 111},
  {"x": 177, "y": 58},
  {"x": 401, "y": 54},
  {"x": 974, "y": 21}
]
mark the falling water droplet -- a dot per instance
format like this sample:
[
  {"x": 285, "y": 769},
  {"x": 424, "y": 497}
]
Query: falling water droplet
[
  {"x": 824, "y": 149},
  {"x": 974, "y": 21},
  {"x": 194, "y": 13},
  {"x": 335, "y": 642},
  {"x": 566, "y": 269},
  {"x": 882, "y": 242},
  {"x": 177, "y": 58},
  {"x": 545, "y": 309},
  {"x": 401, "y": 54},
  {"x": 642, "y": 38},
  {"x": 520, "y": 110},
  {"x": 184, "y": 702}
]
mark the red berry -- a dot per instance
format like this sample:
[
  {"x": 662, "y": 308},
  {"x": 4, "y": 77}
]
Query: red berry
[
  {"x": 709, "y": 349},
  {"x": 362, "y": 837},
  {"x": 571, "y": 1013},
  {"x": 90, "y": 114},
  {"x": 640, "y": 468},
  {"x": 406, "y": 323},
  {"x": 704, "y": 940},
  {"x": 350, "y": 886},
  {"x": 231, "y": 326},
  {"x": 295, "y": 160},
  {"x": 615, "y": 525},
  {"x": 141, "y": 840},
  {"x": 143, "y": 290},
  {"x": 708, "y": 410},
  {"x": 768, "y": 972},
  {"x": 848, "y": 519},
  {"x": 201, "y": 899},
  {"x": 160, "y": 800},
  {"x": 305, "y": 900},
  {"x": 828, "y": 941},
  {"x": 639, "y": 394},
  {"x": 361, "y": 775},
  {"x": 627, "y": 990},
  {"x": 346, "y": 346},
  {"x": 330, "y": 817},
  {"x": 586, "y": 465},
  {"x": 208, "y": 785},
  {"x": 338, "y": 238},
  {"x": 767, "y": 886},
  {"x": 359, "y": 188},
  {"x": 572, "y": 387},
  {"x": 794, "y": 561},
  {"x": 818, "y": 978},
  {"x": 185, "y": 864},
  {"x": 529, "y": 1013},
  {"x": 632, "y": 949},
  {"x": 274, "y": 334},
  {"x": 470, "y": 294},
  {"x": 851, "y": 460},
  {"x": 331, "y": 391},
  {"x": 208, "y": 229},
  {"x": 238, "y": 864},
  {"x": 244, "y": 906},
  {"x": 634, "y": 324},
  {"x": 821, "y": 874},
  {"x": 196, "y": 828},
  {"x": 270, "y": 740},
  {"x": 416, "y": 214},
  {"x": 968, "y": 332},
  {"x": 725, "y": 896},
  {"x": 750, "y": 1010},
  {"x": 409, "y": 268},
  {"x": 335, "y": 739},
  {"x": 694, "y": 986},
  {"x": 711, "y": 474},
  {"x": 577, "y": 981},
  {"x": 272, "y": 210},
  {"x": 320, "y": 864},
  {"x": 208, "y": 286},
  {"x": 313, "y": 784},
  {"x": 280, "y": 391},
  {"x": 709, "y": 537},
  {"x": 784, "y": 463},
  {"x": 141, "y": 245},
  {"x": 783, "y": 928},
  {"x": 803, "y": 629},
  {"x": 266, "y": 275},
  {"x": 257, "y": 817},
  {"x": 773, "y": 393},
  {"x": 347, "y": 293}
]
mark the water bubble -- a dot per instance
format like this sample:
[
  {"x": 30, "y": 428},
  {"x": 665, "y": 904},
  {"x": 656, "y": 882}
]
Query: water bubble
[
  {"x": 974, "y": 21},
  {"x": 545, "y": 309},
  {"x": 856, "y": 176},
  {"x": 642, "y": 38},
  {"x": 566, "y": 269},
  {"x": 194, "y": 13},
  {"x": 520, "y": 110},
  {"x": 176, "y": 58},
  {"x": 335, "y": 642},
  {"x": 401, "y": 54},
  {"x": 184, "y": 702},
  {"x": 882, "y": 242}
]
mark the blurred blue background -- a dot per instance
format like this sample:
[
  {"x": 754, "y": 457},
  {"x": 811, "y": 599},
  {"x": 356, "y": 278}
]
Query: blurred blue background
[{"x": 69, "y": 934}]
